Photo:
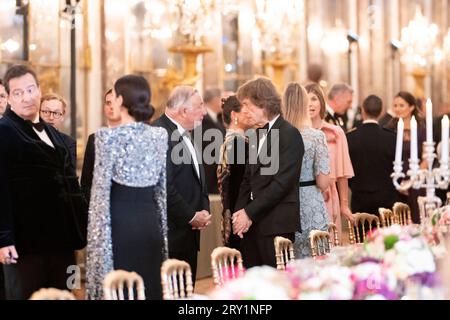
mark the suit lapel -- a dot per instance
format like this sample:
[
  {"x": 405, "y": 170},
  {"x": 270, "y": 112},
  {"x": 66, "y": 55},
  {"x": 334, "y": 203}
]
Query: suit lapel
[
  {"x": 266, "y": 149},
  {"x": 172, "y": 128},
  {"x": 60, "y": 147}
]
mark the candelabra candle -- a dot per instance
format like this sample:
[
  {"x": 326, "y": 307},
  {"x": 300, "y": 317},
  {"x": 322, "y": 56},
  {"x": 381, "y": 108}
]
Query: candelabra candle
[
  {"x": 413, "y": 127},
  {"x": 429, "y": 114},
  {"x": 444, "y": 140},
  {"x": 429, "y": 178},
  {"x": 399, "y": 144}
]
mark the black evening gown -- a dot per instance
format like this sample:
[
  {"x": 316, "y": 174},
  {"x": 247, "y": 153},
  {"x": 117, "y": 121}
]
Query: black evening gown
[{"x": 136, "y": 235}]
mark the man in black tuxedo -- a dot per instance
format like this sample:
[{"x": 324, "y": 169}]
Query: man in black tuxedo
[
  {"x": 340, "y": 99},
  {"x": 3, "y": 104},
  {"x": 43, "y": 217},
  {"x": 113, "y": 119},
  {"x": 3, "y": 99},
  {"x": 269, "y": 194},
  {"x": 187, "y": 195},
  {"x": 212, "y": 120},
  {"x": 372, "y": 151},
  {"x": 52, "y": 110}
]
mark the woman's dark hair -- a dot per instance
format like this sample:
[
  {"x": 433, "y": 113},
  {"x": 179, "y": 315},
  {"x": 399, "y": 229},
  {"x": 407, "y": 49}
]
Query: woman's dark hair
[
  {"x": 136, "y": 95},
  {"x": 411, "y": 100},
  {"x": 230, "y": 104}
]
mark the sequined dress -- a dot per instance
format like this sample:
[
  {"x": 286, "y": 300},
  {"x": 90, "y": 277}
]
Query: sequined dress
[{"x": 128, "y": 212}]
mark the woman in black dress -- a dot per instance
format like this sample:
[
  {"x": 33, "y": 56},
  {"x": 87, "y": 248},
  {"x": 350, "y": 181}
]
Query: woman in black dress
[
  {"x": 233, "y": 157},
  {"x": 127, "y": 214},
  {"x": 405, "y": 107}
]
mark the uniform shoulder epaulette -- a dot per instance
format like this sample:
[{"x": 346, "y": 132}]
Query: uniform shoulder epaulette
[{"x": 352, "y": 130}]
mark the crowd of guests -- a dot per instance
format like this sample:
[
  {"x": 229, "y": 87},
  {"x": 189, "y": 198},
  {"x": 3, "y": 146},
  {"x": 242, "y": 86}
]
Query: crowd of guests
[{"x": 283, "y": 166}]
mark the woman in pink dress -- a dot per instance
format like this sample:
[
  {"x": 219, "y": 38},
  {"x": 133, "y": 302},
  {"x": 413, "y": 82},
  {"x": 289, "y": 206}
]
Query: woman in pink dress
[{"x": 337, "y": 195}]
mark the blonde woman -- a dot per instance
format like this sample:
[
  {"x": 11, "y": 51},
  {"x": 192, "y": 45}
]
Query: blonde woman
[
  {"x": 314, "y": 177},
  {"x": 341, "y": 169}
]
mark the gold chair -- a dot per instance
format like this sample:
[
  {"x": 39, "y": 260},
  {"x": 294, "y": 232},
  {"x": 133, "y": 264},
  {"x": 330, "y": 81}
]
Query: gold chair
[
  {"x": 332, "y": 230},
  {"x": 387, "y": 217},
  {"x": 117, "y": 280},
  {"x": 284, "y": 252},
  {"x": 320, "y": 242},
  {"x": 52, "y": 294},
  {"x": 226, "y": 264},
  {"x": 403, "y": 213},
  {"x": 174, "y": 275},
  {"x": 360, "y": 222}
]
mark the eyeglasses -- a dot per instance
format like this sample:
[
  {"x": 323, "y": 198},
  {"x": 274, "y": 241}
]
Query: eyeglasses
[
  {"x": 18, "y": 94},
  {"x": 55, "y": 114}
]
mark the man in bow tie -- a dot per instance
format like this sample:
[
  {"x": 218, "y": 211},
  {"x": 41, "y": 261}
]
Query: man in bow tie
[
  {"x": 340, "y": 99},
  {"x": 269, "y": 194},
  {"x": 43, "y": 216}
]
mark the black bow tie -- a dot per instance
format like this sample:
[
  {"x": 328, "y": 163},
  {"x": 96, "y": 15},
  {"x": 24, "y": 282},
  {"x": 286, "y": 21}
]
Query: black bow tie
[{"x": 39, "y": 126}]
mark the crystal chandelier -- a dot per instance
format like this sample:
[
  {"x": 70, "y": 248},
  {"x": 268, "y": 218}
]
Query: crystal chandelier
[
  {"x": 419, "y": 40},
  {"x": 193, "y": 19},
  {"x": 278, "y": 25}
]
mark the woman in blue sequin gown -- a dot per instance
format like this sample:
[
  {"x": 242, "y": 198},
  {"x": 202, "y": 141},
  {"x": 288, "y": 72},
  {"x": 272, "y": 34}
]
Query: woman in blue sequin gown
[{"x": 127, "y": 214}]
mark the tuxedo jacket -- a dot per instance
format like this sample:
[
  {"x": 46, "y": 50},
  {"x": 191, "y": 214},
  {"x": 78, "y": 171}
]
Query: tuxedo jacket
[
  {"x": 272, "y": 200},
  {"x": 186, "y": 193},
  {"x": 87, "y": 172},
  {"x": 337, "y": 120},
  {"x": 211, "y": 169},
  {"x": 372, "y": 152},
  {"x": 71, "y": 145},
  {"x": 42, "y": 208}
]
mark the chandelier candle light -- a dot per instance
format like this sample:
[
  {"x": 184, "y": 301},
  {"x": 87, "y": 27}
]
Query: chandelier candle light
[{"x": 428, "y": 178}]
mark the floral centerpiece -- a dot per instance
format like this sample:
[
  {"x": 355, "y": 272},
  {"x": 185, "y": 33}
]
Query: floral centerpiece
[
  {"x": 259, "y": 283},
  {"x": 406, "y": 253}
]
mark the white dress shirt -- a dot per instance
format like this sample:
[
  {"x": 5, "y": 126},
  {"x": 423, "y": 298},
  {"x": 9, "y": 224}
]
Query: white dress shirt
[
  {"x": 263, "y": 138},
  {"x": 43, "y": 135},
  {"x": 189, "y": 144}
]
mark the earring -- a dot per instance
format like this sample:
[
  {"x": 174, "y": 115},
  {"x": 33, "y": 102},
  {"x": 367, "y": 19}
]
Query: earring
[{"x": 235, "y": 121}]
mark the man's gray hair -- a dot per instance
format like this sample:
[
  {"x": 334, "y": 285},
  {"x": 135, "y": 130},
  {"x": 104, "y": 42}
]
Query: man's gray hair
[
  {"x": 338, "y": 89},
  {"x": 211, "y": 93},
  {"x": 181, "y": 96}
]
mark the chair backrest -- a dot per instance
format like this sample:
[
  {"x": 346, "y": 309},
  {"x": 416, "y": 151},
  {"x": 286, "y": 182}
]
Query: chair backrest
[
  {"x": 117, "y": 281},
  {"x": 226, "y": 264},
  {"x": 357, "y": 232},
  {"x": 387, "y": 217},
  {"x": 176, "y": 279},
  {"x": 52, "y": 294},
  {"x": 320, "y": 242},
  {"x": 332, "y": 230},
  {"x": 403, "y": 213},
  {"x": 284, "y": 252}
]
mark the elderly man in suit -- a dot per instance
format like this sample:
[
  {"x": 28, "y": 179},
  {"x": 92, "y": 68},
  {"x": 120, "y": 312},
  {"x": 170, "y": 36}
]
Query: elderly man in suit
[
  {"x": 269, "y": 194},
  {"x": 43, "y": 217},
  {"x": 187, "y": 194},
  {"x": 340, "y": 99}
]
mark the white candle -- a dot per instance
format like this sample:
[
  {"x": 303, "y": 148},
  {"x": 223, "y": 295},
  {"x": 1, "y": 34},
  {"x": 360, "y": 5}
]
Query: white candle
[
  {"x": 444, "y": 139},
  {"x": 413, "y": 125},
  {"x": 429, "y": 114},
  {"x": 399, "y": 144}
]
